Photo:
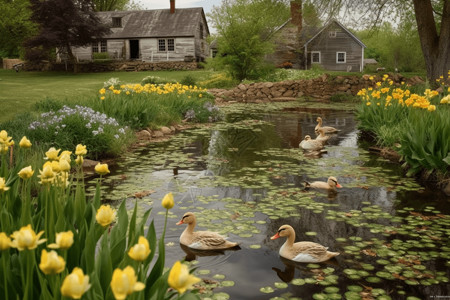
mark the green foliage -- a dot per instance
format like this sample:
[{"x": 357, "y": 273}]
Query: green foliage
[
  {"x": 188, "y": 80},
  {"x": 292, "y": 74},
  {"x": 218, "y": 80},
  {"x": 101, "y": 55},
  {"x": 245, "y": 28}
]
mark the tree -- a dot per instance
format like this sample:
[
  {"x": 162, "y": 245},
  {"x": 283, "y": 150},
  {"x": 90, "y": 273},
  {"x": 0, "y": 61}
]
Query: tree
[
  {"x": 64, "y": 24},
  {"x": 245, "y": 28},
  {"x": 15, "y": 26},
  {"x": 432, "y": 20}
]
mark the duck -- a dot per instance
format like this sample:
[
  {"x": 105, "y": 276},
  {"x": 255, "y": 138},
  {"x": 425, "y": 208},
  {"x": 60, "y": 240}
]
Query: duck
[
  {"x": 309, "y": 144},
  {"x": 202, "y": 240},
  {"x": 326, "y": 129},
  {"x": 322, "y": 137},
  {"x": 307, "y": 252},
  {"x": 330, "y": 185}
]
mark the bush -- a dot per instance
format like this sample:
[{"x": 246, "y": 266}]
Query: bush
[
  {"x": 100, "y": 55},
  {"x": 151, "y": 80},
  {"x": 188, "y": 80}
]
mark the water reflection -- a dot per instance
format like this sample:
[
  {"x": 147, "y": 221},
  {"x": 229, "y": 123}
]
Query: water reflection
[{"x": 191, "y": 254}]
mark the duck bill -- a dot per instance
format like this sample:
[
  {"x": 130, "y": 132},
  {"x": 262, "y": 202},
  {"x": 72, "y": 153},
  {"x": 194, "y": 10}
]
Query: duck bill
[
  {"x": 180, "y": 222},
  {"x": 275, "y": 236},
  {"x": 338, "y": 186}
]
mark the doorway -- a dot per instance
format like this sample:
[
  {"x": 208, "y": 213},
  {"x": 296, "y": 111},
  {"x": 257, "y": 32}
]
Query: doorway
[{"x": 134, "y": 49}]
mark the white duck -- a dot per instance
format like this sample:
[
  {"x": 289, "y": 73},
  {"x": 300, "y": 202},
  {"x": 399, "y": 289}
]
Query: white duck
[
  {"x": 322, "y": 137},
  {"x": 331, "y": 184},
  {"x": 307, "y": 252},
  {"x": 309, "y": 144},
  {"x": 201, "y": 240},
  {"x": 326, "y": 129}
]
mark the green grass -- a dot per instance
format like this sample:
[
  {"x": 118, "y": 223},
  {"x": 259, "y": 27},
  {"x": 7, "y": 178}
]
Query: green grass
[{"x": 19, "y": 91}]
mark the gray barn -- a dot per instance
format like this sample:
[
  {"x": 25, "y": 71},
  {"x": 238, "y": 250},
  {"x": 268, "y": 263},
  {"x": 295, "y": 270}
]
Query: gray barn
[
  {"x": 335, "y": 48},
  {"x": 152, "y": 35}
]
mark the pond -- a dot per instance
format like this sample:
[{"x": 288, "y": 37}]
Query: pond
[{"x": 244, "y": 178}]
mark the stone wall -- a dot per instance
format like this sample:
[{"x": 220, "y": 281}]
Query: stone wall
[{"x": 321, "y": 88}]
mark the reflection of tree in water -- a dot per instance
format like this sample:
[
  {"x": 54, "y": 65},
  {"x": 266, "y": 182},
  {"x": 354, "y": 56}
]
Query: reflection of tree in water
[{"x": 233, "y": 148}]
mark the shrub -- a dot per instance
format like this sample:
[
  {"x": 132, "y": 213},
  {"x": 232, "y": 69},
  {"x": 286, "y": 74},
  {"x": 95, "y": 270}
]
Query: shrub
[
  {"x": 219, "y": 80},
  {"x": 151, "y": 80},
  {"x": 100, "y": 55},
  {"x": 188, "y": 80}
]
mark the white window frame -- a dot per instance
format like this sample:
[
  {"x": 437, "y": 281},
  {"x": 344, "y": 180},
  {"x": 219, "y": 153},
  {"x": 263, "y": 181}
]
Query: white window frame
[
  {"x": 312, "y": 56},
  {"x": 332, "y": 34},
  {"x": 165, "y": 43},
  {"x": 100, "y": 46},
  {"x": 337, "y": 57}
]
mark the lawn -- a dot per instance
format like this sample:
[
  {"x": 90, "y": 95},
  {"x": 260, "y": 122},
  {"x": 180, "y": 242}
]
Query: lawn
[{"x": 19, "y": 91}]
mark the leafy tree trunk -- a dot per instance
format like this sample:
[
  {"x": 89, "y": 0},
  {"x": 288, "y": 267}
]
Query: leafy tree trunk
[{"x": 435, "y": 46}]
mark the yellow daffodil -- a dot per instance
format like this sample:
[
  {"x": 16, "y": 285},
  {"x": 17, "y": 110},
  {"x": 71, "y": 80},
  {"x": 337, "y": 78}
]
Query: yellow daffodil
[
  {"x": 80, "y": 150},
  {"x": 105, "y": 215},
  {"x": 141, "y": 250},
  {"x": 51, "y": 262},
  {"x": 64, "y": 240},
  {"x": 102, "y": 98},
  {"x": 65, "y": 155},
  {"x": 5, "y": 139},
  {"x": 79, "y": 160},
  {"x": 431, "y": 108},
  {"x": 3, "y": 187},
  {"x": 167, "y": 201},
  {"x": 124, "y": 282},
  {"x": 26, "y": 238},
  {"x": 102, "y": 169},
  {"x": 75, "y": 284},
  {"x": 180, "y": 279},
  {"x": 26, "y": 173},
  {"x": 102, "y": 91},
  {"x": 445, "y": 100},
  {"x": 25, "y": 143},
  {"x": 52, "y": 154},
  {"x": 47, "y": 175},
  {"x": 5, "y": 241}
]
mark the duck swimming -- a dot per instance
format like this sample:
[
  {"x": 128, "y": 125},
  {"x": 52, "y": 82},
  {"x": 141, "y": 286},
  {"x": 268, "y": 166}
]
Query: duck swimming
[
  {"x": 309, "y": 144},
  {"x": 201, "y": 240},
  {"x": 307, "y": 252},
  {"x": 326, "y": 129},
  {"x": 322, "y": 137},
  {"x": 331, "y": 184}
]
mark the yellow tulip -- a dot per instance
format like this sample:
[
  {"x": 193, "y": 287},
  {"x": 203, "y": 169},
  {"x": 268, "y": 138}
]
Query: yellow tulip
[
  {"x": 25, "y": 143},
  {"x": 52, "y": 154},
  {"x": 65, "y": 155},
  {"x": 102, "y": 169},
  {"x": 5, "y": 139},
  {"x": 105, "y": 215},
  {"x": 47, "y": 175},
  {"x": 79, "y": 160},
  {"x": 26, "y": 173},
  {"x": 64, "y": 165},
  {"x": 180, "y": 279},
  {"x": 124, "y": 282},
  {"x": 64, "y": 240},
  {"x": 141, "y": 250},
  {"x": 5, "y": 241},
  {"x": 51, "y": 262},
  {"x": 75, "y": 284},
  {"x": 167, "y": 201},
  {"x": 80, "y": 150},
  {"x": 3, "y": 187},
  {"x": 26, "y": 238}
]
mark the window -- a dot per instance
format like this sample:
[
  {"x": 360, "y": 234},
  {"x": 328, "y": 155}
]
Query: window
[
  {"x": 332, "y": 34},
  {"x": 116, "y": 22},
  {"x": 100, "y": 46},
  {"x": 201, "y": 31},
  {"x": 166, "y": 44},
  {"x": 341, "y": 57},
  {"x": 315, "y": 57}
]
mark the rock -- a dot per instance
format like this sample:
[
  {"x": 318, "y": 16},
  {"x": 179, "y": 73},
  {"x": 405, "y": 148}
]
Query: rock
[
  {"x": 165, "y": 130},
  {"x": 157, "y": 134},
  {"x": 144, "y": 135},
  {"x": 88, "y": 163}
]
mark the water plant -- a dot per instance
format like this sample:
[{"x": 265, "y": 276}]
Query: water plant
[{"x": 58, "y": 242}]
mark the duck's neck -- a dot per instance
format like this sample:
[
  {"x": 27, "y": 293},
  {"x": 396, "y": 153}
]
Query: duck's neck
[
  {"x": 320, "y": 123},
  {"x": 290, "y": 240},
  {"x": 190, "y": 228}
]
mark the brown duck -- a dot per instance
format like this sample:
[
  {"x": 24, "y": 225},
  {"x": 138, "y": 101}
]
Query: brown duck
[
  {"x": 307, "y": 252},
  {"x": 326, "y": 129},
  {"x": 322, "y": 137},
  {"x": 331, "y": 184},
  {"x": 309, "y": 144},
  {"x": 201, "y": 240}
]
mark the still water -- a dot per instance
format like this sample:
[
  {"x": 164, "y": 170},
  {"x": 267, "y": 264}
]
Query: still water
[{"x": 244, "y": 178}]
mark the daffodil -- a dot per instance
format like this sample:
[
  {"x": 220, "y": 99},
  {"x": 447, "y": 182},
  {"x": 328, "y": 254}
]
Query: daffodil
[
  {"x": 180, "y": 279},
  {"x": 431, "y": 108},
  {"x": 5, "y": 139},
  {"x": 102, "y": 169},
  {"x": 3, "y": 187},
  {"x": 5, "y": 241},
  {"x": 51, "y": 262},
  {"x": 79, "y": 160},
  {"x": 47, "y": 175},
  {"x": 65, "y": 155},
  {"x": 124, "y": 282},
  {"x": 26, "y": 173},
  {"x": 141, "y": 250},
  {"x": 25, "y": 143},
  {"x": 64, "y": 240},
  {"x": 26, "y": 238},
  {"x": 75, "y": 284},
  {"x": 105, "y": 215},
  {"x": 52, "y": 154},
  {"x": 80, "y": 150},
  {"x": 167, "y": 201}
]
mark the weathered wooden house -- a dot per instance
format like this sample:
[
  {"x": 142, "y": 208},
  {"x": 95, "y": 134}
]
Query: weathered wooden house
[
  {"x": 335, "y": 48},
  {"x": 152, "y": 35}
]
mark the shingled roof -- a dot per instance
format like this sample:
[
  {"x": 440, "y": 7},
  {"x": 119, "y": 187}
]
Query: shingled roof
[{"x": 154, "y": 23}]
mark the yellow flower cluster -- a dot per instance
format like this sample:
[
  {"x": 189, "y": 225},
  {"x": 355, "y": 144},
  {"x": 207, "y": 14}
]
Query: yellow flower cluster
[
  {"x": 160, "y": 89},
  {"x": 383, "y": 95},
  {"x": 5, "y": 142},
  {"x": 55, "y": 171}
]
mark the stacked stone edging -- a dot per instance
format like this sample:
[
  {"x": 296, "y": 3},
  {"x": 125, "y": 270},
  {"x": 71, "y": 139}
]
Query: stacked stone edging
[{"x": 321, "y": 88}]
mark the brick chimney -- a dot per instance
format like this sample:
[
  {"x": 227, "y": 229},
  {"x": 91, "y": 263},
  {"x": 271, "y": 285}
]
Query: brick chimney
[
  {"x": 172, "y": 6},
  {"x": 296, "y": 14}
]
